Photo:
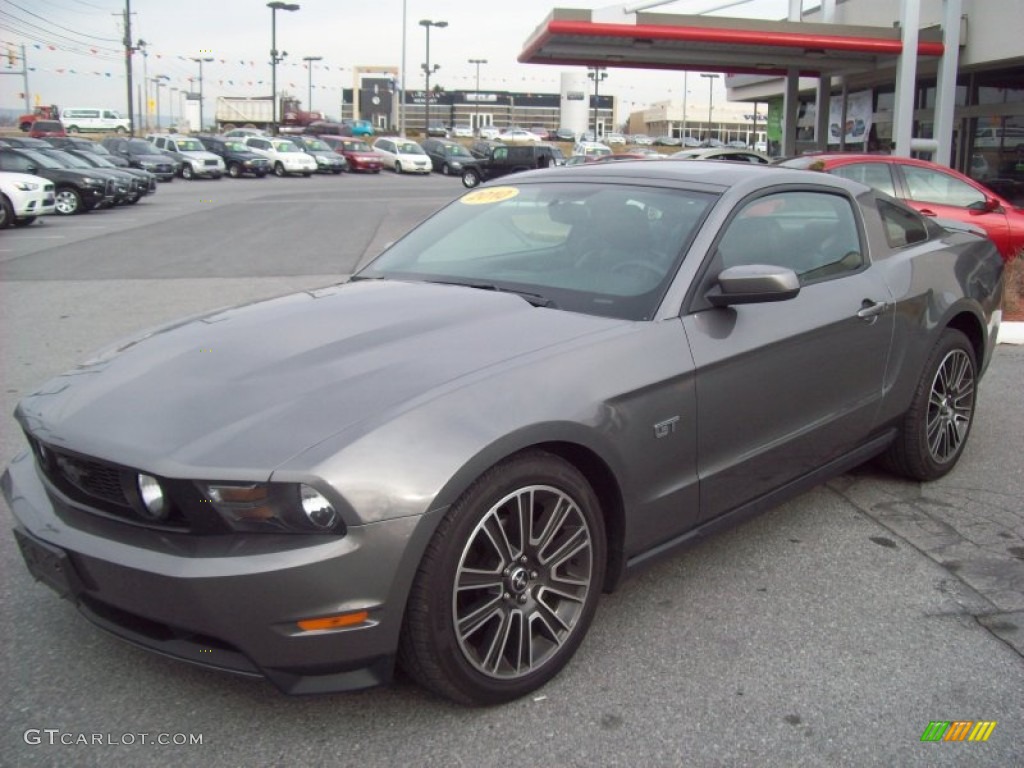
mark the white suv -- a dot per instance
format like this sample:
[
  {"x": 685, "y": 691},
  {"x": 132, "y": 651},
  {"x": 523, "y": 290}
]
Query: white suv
[
  {"x": 196, "y": 161},
  {"x": 23, "y": 198},
  {"x": 284, "y": 156}
]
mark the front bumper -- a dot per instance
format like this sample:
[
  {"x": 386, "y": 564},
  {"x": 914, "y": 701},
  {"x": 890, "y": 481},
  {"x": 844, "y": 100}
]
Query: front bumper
[{"x": 227, "y": 602}]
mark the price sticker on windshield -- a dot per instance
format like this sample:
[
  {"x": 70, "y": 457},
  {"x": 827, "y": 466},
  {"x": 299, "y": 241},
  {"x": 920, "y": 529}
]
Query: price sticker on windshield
[{"x": 488, "y": 196}]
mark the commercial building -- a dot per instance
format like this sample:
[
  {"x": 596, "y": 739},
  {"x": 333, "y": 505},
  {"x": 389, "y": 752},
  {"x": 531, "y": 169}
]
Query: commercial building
[{"x": 939, "y": 78}]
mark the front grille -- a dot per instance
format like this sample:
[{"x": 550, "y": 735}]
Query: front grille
[
  {"x": 48, "y": 187},
  {"x": 110, "y": 490},
  {"x": 97, "y": 480},
  {"x": 210, "y": 162}
]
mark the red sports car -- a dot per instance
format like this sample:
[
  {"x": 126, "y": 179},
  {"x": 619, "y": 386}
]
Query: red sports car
[{"x": 933, "y": 190}]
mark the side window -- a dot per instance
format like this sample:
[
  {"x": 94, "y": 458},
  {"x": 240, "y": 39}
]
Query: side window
[
  {"x": 9, "y": 162},
  {"x": 875, "y": 175},
  {"x": 501, "y": 153},
  {"x": 928, "y": 186},
  {"x": 813, "y": 233},
  {"x": 902, "y": 226}
]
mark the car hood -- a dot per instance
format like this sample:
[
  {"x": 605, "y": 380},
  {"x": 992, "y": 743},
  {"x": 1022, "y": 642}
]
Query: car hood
[{"x": 245, "y": 389}]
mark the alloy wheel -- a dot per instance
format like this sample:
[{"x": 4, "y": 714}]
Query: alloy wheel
[
  {"x": 950, "y": 405},
  {"x": 522, "y": 582}
]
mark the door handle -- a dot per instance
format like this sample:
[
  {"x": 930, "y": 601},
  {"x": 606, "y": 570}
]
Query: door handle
[
  {"x": 869, "y": 309},
  {"x": 927, "y": 212}
]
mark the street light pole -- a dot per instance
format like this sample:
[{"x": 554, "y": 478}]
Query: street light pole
[
  {"x": 711, "y": 91},
  {"x": 200, "y": 61},
  {"x": 597, "y": 74},
  {"x": 173, "y": 91},
  {"x": 686, "y": 90},
  {"x": 157, "y": 82},
  {"x": 309, "y": 65},
  {"x": 274, "y": 57},
  {"x": 478, "y": 62},
  {"x": 427, "y": 24}
]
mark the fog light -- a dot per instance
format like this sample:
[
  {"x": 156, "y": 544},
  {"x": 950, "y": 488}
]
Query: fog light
[
  {"x": 317, "y": 508},
  {"x": 155, "y": 505}
]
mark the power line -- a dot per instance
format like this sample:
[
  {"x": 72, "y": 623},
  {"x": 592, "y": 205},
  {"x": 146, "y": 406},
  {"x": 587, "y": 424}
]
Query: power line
[{"x": 48, "y": 21}]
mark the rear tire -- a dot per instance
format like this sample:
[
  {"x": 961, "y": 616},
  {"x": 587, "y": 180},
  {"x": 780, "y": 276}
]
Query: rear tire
[
  {"x": 935, "y": 428},
  {"x": 445, "y": 170},
  {"x": 509, "y": 583}
]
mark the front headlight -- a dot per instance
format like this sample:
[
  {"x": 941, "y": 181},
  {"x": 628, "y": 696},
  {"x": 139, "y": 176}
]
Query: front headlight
[
  {"x": 155, "y": 506},
  {"x": 25, "y": 186},
  {"x": 273, "y": 507}
]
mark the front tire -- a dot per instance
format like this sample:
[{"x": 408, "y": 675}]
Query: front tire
[
  {"x": 67, "y": 201},
  {"x": 445, "y": 170},
  {"x": 186, "y": 172},
  {"x": 935, "y": 428},
  {"x": 6, "y": 212},
  {"x": 509, "y": 583},
  {"x": 279, "y": 170},
  {"x": 470, "y": 179},
  {"x": 234, "y": 170},
  {"x": 398, "y": 167}
]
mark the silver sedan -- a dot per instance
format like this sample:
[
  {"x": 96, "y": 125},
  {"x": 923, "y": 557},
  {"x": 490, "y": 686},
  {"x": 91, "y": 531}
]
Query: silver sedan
[{"x": 541, "y": 389}]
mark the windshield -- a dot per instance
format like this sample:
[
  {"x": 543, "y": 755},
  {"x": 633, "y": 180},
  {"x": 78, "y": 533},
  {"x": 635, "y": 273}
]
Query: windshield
[
  {"x": 601, "y": 249},
  {"x": 140, "y": 147},
  {"x": 190, "y": 145},
  {"x": 68, "y": 161},
  {"x": 235, "y": 146},
  {"x": 41, "y": 159},
  {"x": 96, "y": 160},
  {"x": 408, "y": 148},
  {"x": 457, "y": 150},
  {"x": 284, "y": 146},
  {"x": 316, "y": 145}
]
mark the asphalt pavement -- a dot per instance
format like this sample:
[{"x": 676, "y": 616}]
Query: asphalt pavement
[{"x": 828, "y": 632}]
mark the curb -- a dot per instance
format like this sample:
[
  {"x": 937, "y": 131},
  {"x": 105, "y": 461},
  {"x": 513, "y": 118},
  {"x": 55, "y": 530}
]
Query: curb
[{"x": 1011, "y": 333}]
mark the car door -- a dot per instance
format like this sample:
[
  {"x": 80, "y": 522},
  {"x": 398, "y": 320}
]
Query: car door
[
  {"x": 785, "y": 387},
  {"x": 935, "y": 193}
]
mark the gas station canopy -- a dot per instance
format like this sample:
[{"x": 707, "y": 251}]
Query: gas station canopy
[{"x": 701, "y": 43}]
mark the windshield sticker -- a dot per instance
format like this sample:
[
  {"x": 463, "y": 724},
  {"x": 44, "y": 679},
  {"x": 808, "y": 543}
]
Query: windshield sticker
[{"x": 488, "y": 196}]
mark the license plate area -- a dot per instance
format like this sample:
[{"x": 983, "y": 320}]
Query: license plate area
[{"x": 50, "y": 565}]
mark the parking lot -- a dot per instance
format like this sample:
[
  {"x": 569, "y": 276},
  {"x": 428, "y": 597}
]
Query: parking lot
[{"x": 829, "y": 631}]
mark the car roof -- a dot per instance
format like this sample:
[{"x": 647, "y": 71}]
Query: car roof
[{"x": 711, "y": 176}]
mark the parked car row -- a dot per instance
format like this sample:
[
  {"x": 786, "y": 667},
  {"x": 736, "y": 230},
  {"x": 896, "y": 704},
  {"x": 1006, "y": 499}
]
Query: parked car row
[{"x": 83, "y": 176}]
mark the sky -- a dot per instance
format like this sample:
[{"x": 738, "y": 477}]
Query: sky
[{"x": 75, "y": 51}]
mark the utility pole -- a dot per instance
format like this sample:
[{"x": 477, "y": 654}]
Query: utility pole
[
  {"x": 128, "y": 51},
  {"x": 23, "y": 72}
]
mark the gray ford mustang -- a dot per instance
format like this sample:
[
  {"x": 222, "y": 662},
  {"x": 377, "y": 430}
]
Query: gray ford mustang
[{"x": 542, "y": 388}]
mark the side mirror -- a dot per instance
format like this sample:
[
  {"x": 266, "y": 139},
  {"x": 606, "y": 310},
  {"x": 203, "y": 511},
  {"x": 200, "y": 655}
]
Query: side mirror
[
  {"x": 754, "y": 284},
  {"x": 989, "y": 205}
]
